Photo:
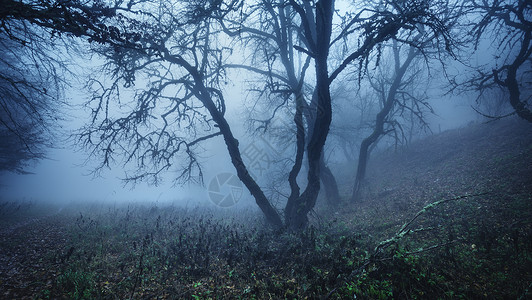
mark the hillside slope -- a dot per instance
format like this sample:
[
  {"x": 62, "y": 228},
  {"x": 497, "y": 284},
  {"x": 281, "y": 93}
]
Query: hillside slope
[
  {"x": 394, "y": 244},
  {"x": 493, "y": 158},
  {"x": 465, "y": 160},
  {"x": 481, "y": 239}
]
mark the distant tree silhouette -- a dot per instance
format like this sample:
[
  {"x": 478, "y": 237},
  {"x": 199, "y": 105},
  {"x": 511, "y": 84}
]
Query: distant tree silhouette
[
  {"x": 395, "y": 97},
  {"x": 34, "y": 71},
  {"x": 30, "y": 89}
]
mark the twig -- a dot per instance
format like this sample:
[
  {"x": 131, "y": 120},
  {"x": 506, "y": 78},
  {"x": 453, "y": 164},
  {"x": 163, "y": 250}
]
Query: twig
[{"x": 402, "y": 233}]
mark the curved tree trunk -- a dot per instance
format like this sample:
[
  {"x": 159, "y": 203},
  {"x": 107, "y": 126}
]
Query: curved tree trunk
[
  {"x": 300, "y": 149},
  {"x": 243, "y": 174},
  {"x": 512, "y": 84},
  {"x": 328, "y": 180},
  {"x": 363, "y": 160},
  {"x": 297, "y": 215},
  {"x": 513, "y": 87},
  {"x": 380, "y": 120},
  {"x": 202, "y": 93}
]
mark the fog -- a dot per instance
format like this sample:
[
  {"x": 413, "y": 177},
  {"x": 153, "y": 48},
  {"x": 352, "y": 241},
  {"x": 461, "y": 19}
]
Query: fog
[
  {"x": 67, "y": 173},
  {"x": 272, "y": 149},
  {"x": 66, "y": 176}
]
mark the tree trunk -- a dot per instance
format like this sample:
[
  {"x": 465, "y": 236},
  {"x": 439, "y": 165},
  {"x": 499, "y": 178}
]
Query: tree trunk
[
  {"x": 329, "y": 183},
  {"x": 300, "y": 149},
  {"x": 381, "y": 119},
  {"x": 297, "y": 215},
  {"x": 201, "y": 92},
  {"x": 519, "y": 106},
  {"x": 511, "y": 83},
  {"x": 362, "y": 163},
  {"x": 332, "y": 193}
]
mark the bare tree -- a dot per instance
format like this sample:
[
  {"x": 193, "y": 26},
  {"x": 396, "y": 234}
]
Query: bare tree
[
  {"x": 369, "y": 28},
  {"x": 508, "y": 25},
  {"x": 35, "y": 37},
  {"x": 181, "y": 60},
  {"x": 31, "y": 84},
  {"x": 170, "y": 47},
  {"x": 274, "y": 35},
  {"x": 396, "y": 96}
]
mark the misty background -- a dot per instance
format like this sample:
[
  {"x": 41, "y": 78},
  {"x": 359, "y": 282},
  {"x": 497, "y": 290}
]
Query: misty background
[
  {"x": 67, "y": 172},
  {"x": 66, "y": 176}
]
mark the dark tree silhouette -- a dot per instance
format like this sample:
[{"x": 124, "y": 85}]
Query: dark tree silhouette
[
  {"x": 508, "y": 24},
  {"x": 33, "y": 71},
  {"x": 371, "y": 28},
  {"x": 153, "y": 138},
  {"x": 394, "y": 97},
  {"x": 274, "y": 36},
  {"x": 31, "y": 81}
]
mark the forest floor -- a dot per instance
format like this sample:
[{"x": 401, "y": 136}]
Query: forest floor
[{"x": 448, "y": 217}]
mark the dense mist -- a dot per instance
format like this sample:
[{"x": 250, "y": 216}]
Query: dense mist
[{"x": 265, "y": 149}]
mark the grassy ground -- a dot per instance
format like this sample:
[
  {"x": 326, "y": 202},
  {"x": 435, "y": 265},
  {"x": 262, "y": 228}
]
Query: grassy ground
[{"x": 393, "y": 244}]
